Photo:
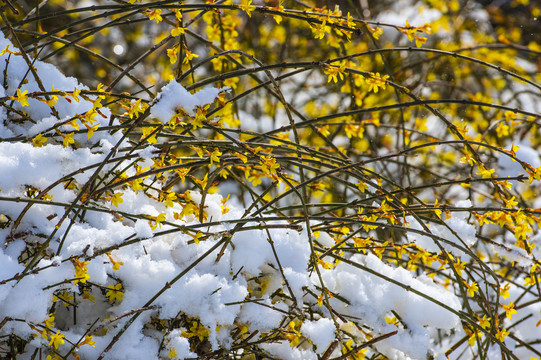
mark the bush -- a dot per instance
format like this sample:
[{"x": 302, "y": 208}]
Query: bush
[{"x": 284, "y": 180}]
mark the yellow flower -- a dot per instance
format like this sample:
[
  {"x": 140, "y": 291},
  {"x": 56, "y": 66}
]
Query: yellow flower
[
  {"x": 88, "y": 296},
  {"x": 39, "y": 141},
  {"x": 320, "y": 300},
  {"x": 75, "y": 94},
  {"x": 484, "y": 322},
  {"x": 169, "y": 198},
  {"x": 54, "y": 98},
  {"x": 502, "y": 130},
  {"x": 197, "y": 237},
  {"x": 256, "y": 177},
  {"x": 510, "y": 203},
  {"x": 522, "y": 230},
  {"x": 504, "y": 291},
  {"x": 293, "y": 335},
  {"x": 117, "y": 198},
  {"x": 178, "y": 31},
  {"x": 231, "y": 82},
  {"x": 155, "y": 15},
  {"x": 501, "y": 334},
  {"x": 173, "y": 54},
  {"x": 243, "y": 157},
  {"x": 324, "y": 264},
  {"x": 529, "y": 280},
  {"x": 510, "y": 115},
  {"x": 182, "y": 172},
  {"x": 362, "y": 186},
  {"x": 189, "y": 56},
  {"x": 459, "y": 266},
  {"x": 66, "y": 298},
  {"x": 157, "y": 221},
  {"x": 436, "y": 210},
  {"x": 90, "y": 115},
  {"x": 409, "y": 30},
  {"x": 116, "y": 264},
  {"x": 6, "y": 50},
  {"x": 87, "y": 341},
  {"x": 57, "y": 340},
  {"x": 114, "y": 293},
  {"x": 391, "y": 321},
  {"x": 385, "y": 207},
  {"x": 146, "y": 134},
  {"x": 178, "y": 14},
  {"x": 484, "y": 172},
  {"x": 269, "y": 164},
  {"x": 225, "y": 209},
  {"x": 73, "y": 124},
  {"x": 198, "y": 330},
  {"x": 68, "y": 139},
  {"x": 354, "y": 131},
  {"x": 535, "y": 173},
  {"x": 468, "y": 158},
  {"x": 197, "y": 122},
  {"x": 319, "y": 30},
  {"x": 278, "y": 18},
  {"x": 91, "y": 130},
  {"x": 22, "y": 97},
  {"x": 359, "y": 355},
  {"x": 376, "y": 81},
  {"x": 49, "y": 323},
  {"x": 509, "y": 310},
  {"x": 376, "y": 33},
  {"x": 472, "y": 288},
  {"x": 419, "y": 40},
  {"x": 246, "y": 5},
  {"x": 474, "y": 337},
  {"x": 100, "y": 90},
  {"x": 136, "y": 108},
  {"x": 215, "y": 156},
  {"x": 80, "y": 271},
  {"x": 334, "y": 72}
]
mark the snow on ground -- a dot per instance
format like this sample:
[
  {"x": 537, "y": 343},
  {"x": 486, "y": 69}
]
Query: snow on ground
[{"x": 144, "y": 277}]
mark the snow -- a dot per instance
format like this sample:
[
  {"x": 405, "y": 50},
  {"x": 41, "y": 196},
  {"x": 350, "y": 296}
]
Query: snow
[
  {"x": 320, "y": 332},
  {"x": 282, "y": 350},
  {"x": 10, "y": 266},
  {"x": 262, "y": 316},
  {"x": 173, "y": 96},
  {"x": 180, "y": 344},
  {"x": 372, "y": 298},
  {"x": 508, "y": 167},
  {"x": 457, "y": 233},
  {"x": 237, "y": 292},
  {"x": 219, "y": 295}
]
